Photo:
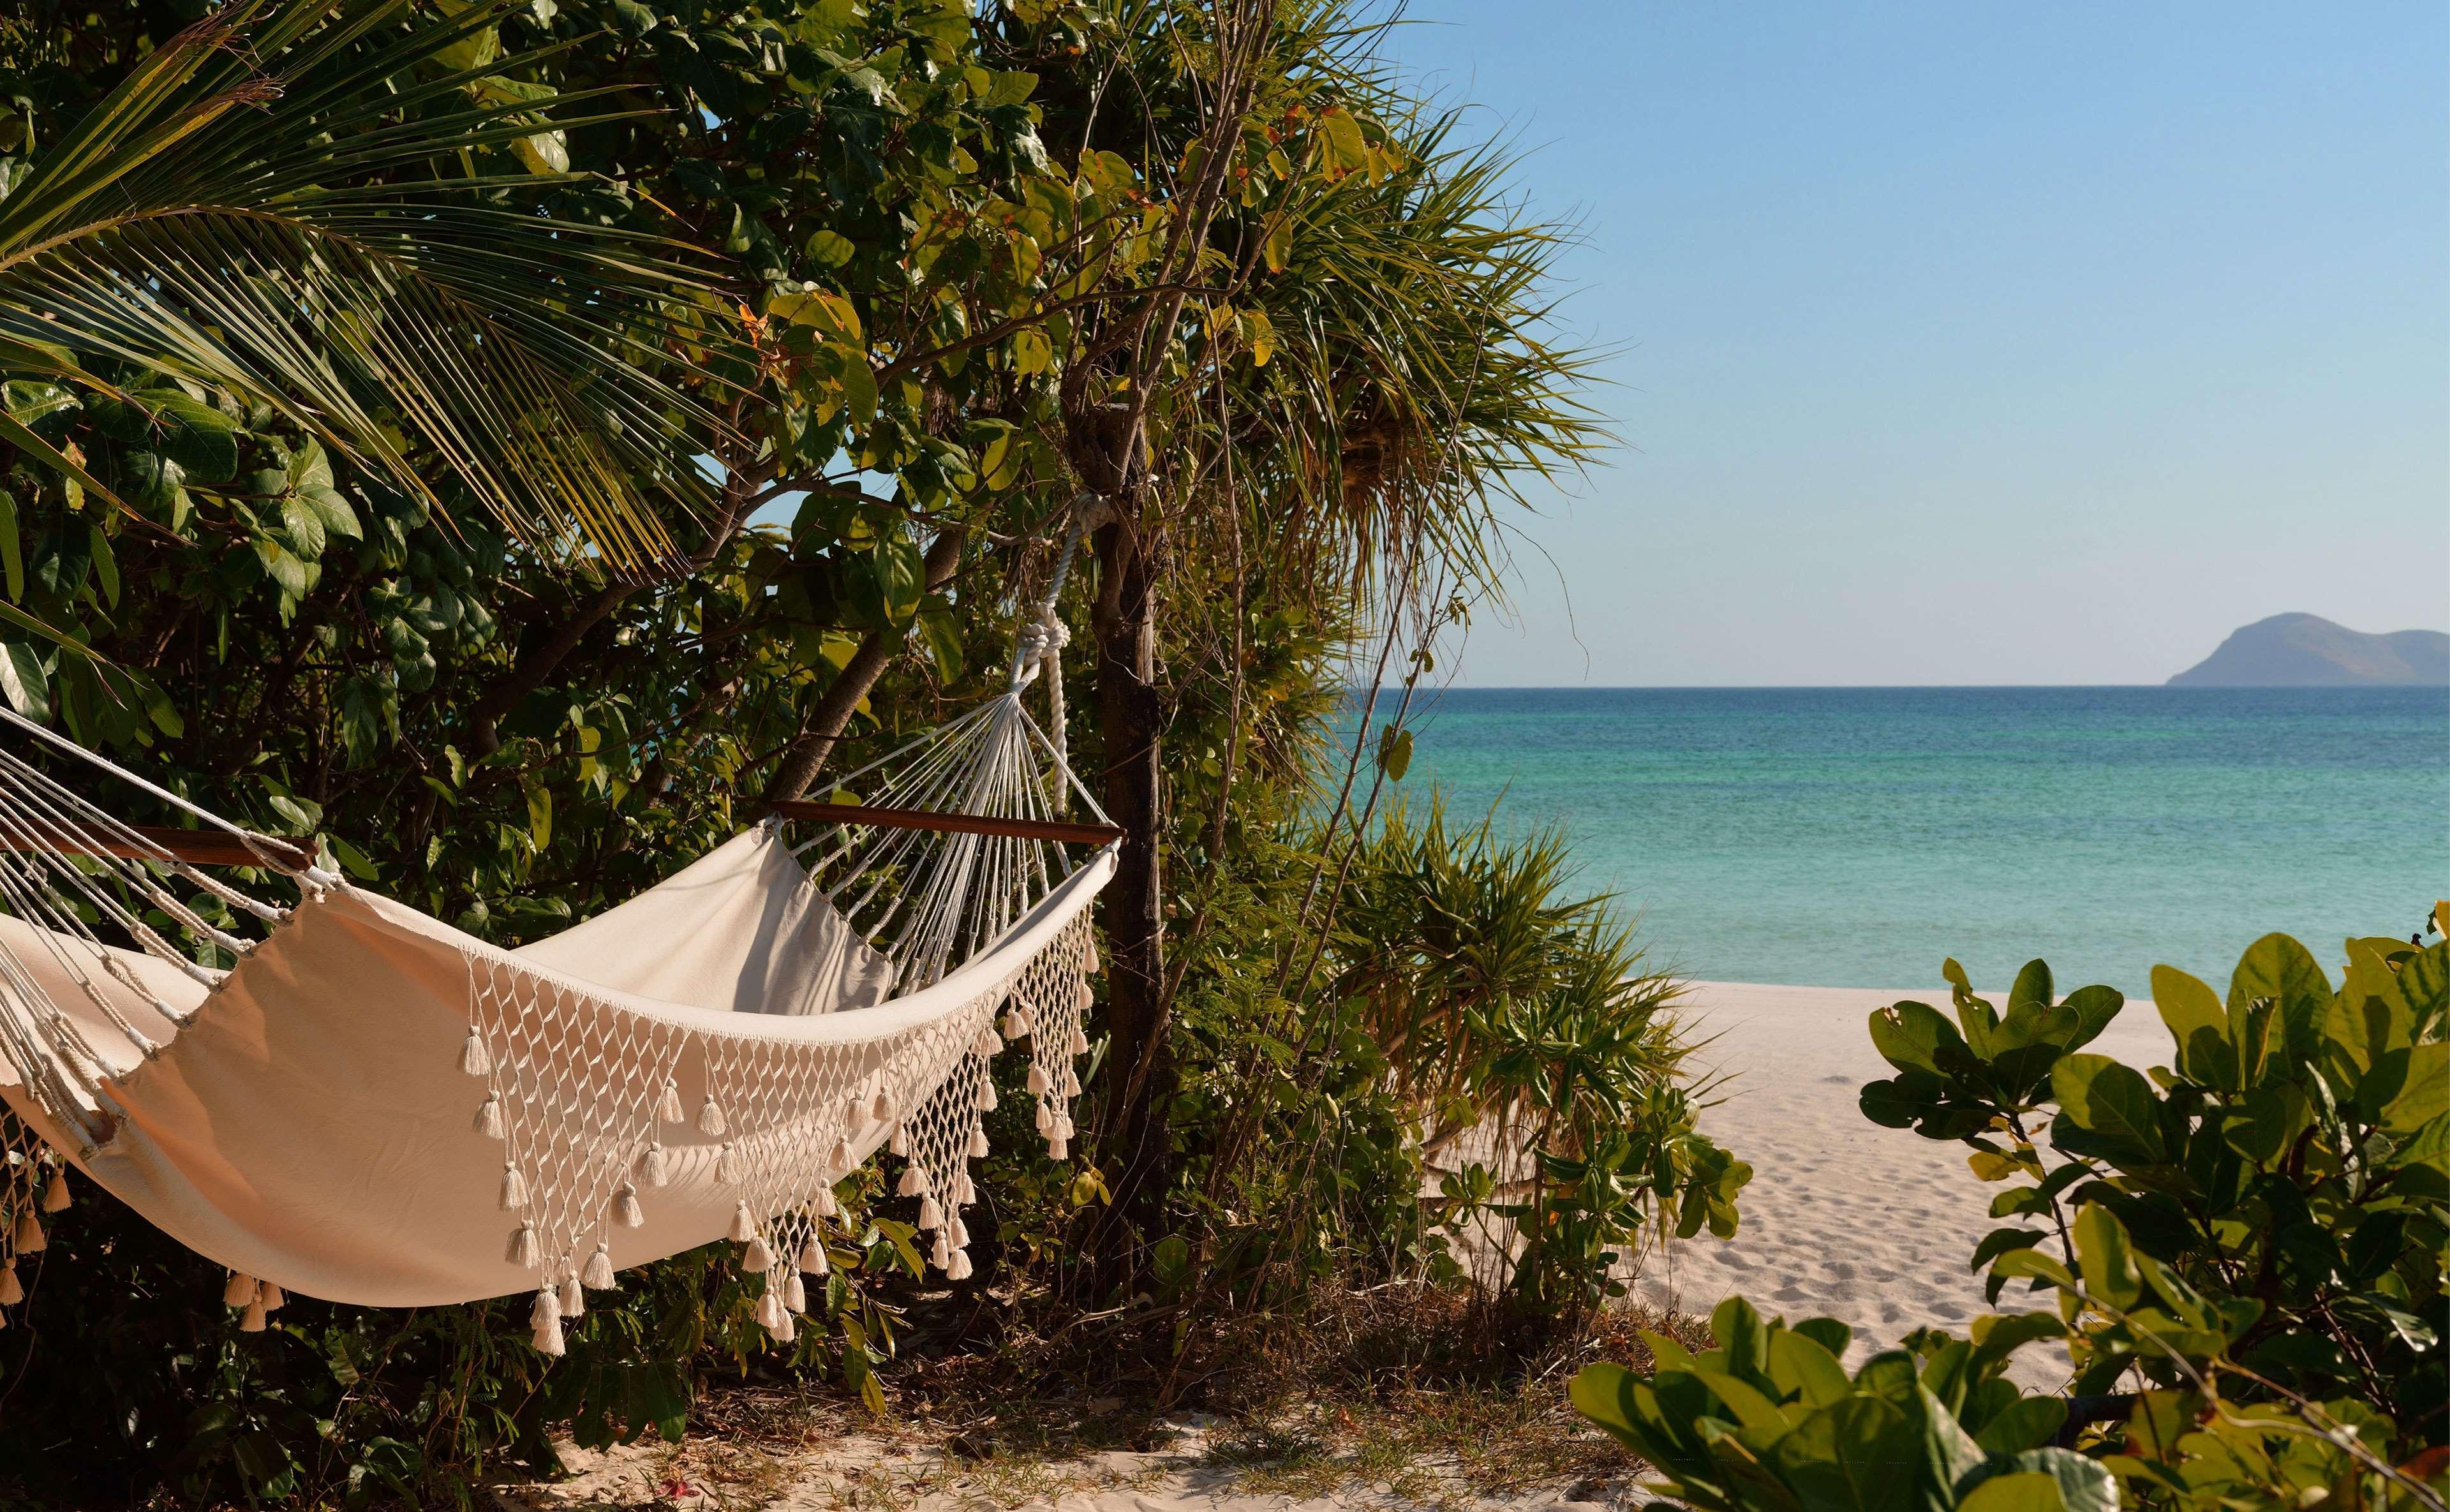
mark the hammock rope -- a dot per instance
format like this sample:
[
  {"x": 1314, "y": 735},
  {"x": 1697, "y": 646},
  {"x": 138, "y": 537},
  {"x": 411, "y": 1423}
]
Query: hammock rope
[{"x": 705, "y": 1062}]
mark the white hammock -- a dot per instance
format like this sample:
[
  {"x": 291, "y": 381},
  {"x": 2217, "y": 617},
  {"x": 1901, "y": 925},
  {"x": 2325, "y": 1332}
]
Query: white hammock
[{"x": 374, "y": 1107}]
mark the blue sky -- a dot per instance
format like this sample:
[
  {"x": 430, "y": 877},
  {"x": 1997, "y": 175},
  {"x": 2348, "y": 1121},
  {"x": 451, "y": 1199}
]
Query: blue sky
[{"x": 1974, "y": 343}]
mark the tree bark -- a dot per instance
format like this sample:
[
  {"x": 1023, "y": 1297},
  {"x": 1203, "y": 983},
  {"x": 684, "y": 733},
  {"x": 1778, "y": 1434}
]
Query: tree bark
[
  {"x": 1138, "y": 1142},
  {"x": 809, "y": 751}
]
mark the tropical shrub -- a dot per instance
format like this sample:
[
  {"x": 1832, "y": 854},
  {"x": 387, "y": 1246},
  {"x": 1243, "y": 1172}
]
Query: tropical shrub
[{"x": 2246, "y": 1246}]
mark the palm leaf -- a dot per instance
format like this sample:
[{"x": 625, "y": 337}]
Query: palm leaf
[{"x": 277, "y": 205}]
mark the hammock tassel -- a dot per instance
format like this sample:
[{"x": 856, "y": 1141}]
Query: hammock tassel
[
  {"x": 489, "y": 1117},
  {"x": 544, "y": 1323},
  {"x": 979, "y": 1143},
  {"x": 29, "y": 1238},
  {"x": 668, "y": 1107},
  {"x": 1015, "y": 1026},
  {"x": 795, "y": 1294},
  {"x": 963, "y": 1191},
  {"x": 960, "y": 1269},
  {"x": 1045, "y": 1119},
  {"x": 898, "y": 1143},
  {"x": 598, "y": 1274},
  {"x": 759, "y": 1257},
  {"x": 521, "y": 1251},
  {"x": 986, "y": 1100},
  {"x": 958, "y": 1232},
  {"x": 1059, "y": 1148},
  {"x": 272, "y": 1297},
  {"x": 574, "y": 1301},
  {"x": 251, "y": 1321},
  {"x": 1063, "y": 1128},
  {"x": 653, "y": 1166},
  {"x": 626, "y": 1210},
  {"x": 931, "y": 1214},
  {"x": 940, "y": 1256},
  {"x": 515, "y": 1189},
  {"x": 788, "y": 1331},
  {"x": 473, "y": 1058},
  {"x": 1070, "y": 1085},
  {"x": 769, "y": 1312},
  {"x": 240, "y": 1292},
  {"x": 1037, "y": 1082},
  {"x": 987, "y": 1043},
  {"x": 1080, "y": 1045},
  {"x": 726, "y": 1164},
  {"x": 841, "y": 1161},
  {"x": 914, "y": 1181},
  {"x": 880, "y": 1111},
  {"x": 711, "y": 1121},
  {"x": 824, "y": 1205},
  {"x": 1084, "y": 1000},
  {"x": 55, "y": 1196},
  {"x": 812, "y": 1258},
  {"x": 743, "y": 1224},
  {"x": 11, "y": 1290}
]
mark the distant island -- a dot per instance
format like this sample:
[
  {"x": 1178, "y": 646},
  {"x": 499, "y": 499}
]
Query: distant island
[{"x": 2307, "y": 650}]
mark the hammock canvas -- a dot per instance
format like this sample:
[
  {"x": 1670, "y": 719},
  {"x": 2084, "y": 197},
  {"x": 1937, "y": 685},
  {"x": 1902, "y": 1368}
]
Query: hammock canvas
[{"x": 373, "y": 1107}]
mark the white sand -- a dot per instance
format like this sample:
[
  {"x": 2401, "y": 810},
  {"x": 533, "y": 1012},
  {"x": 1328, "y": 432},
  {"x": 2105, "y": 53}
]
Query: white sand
[{"x": 1843, "y": 1218}]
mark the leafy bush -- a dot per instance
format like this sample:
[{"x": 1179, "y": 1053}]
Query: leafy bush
[{"x": 2251, "y": 1240}]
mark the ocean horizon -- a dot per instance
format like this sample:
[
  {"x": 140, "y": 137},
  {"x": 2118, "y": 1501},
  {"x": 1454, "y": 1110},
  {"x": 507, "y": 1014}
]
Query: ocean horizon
[{"x": 1855, "y": 837}]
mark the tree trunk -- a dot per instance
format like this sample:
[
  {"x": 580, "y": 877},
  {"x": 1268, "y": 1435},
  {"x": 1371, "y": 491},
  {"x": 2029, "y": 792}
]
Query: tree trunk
[
  {"x": 809, "y": 751},
  {"x": 1138, "y": 1144}
]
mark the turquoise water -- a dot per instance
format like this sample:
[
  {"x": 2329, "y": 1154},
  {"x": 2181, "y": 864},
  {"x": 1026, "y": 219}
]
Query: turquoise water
[{"x": 1855, "y": 837}]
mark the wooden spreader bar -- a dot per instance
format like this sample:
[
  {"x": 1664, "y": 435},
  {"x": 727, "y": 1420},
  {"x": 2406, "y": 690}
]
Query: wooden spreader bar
[
  {"x": 197, "y": 847},
  {"x": 1067, "y": 831}
]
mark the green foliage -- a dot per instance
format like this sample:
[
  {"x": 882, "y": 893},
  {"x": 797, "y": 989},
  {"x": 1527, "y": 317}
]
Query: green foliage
[
  {"x": 2250, "y": 1240},
  {"x": 1769, "y": 1419}
]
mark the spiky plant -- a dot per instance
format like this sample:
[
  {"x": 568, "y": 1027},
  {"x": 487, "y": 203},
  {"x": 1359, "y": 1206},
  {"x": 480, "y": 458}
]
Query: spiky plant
[{"x": 308, "y": 209}]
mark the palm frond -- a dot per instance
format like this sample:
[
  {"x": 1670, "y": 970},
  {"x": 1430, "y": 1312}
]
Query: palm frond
[{"x": 277, "y": 205}]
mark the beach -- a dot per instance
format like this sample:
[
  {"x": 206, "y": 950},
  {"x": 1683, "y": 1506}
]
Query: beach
[{"x": 1843, "y": 1218}]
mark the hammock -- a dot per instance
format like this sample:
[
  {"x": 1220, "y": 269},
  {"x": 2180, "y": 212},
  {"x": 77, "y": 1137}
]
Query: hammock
[{"x": 370, "y": 1106}]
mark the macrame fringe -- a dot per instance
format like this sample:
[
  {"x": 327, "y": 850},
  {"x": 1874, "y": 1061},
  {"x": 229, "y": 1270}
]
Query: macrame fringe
[
  {"x": 598, "y": 1274},
  {"x": 668, "y": 1107},
  {"x": 473, "y": 1057},
  {"x": 544, "y": 1323},
  {"x": 55, "y": 1196},
  {"x": 626, "y": 1210}
]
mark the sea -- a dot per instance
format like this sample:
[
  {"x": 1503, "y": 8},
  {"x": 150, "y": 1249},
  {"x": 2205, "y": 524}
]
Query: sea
[{"x": 1858, "y": 837}]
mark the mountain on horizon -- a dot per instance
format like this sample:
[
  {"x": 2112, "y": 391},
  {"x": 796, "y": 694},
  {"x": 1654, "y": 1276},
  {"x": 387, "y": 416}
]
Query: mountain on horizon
[{"x": 2307, "y": 650}]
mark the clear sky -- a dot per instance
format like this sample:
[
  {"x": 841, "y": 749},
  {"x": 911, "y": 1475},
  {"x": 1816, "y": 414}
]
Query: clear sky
[{"x": 1969, "y": 342}]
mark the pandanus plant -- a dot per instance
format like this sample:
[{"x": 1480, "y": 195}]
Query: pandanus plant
[{"x": 330, "y": 210}]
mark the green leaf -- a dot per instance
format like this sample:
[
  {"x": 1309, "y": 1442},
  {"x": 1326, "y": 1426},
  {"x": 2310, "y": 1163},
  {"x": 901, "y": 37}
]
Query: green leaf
[
  {"x": 1916, "y": 1036},
  {"x": 2025, "y": 1491},
  {"x": 2425, "y": 1091},
  {"x": 2110, "y": 1103},
  {"x": 2028, "y": 1423},
  {"x": 25, "y": 683},
  {"x": 2199, "y": 1024},
  {"x": 11, "y": 556},
  {"x": 2081, "y": 1485},
  {"x": 105, "y": 565},
  {"x": 2110, "y": 1273},
  {"x": 1860, "y": 1455},
  {"x": 1394, "y": 753},
  {"x": 539, "y": 814},
  {"x": 1801, "y": 1365}
]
